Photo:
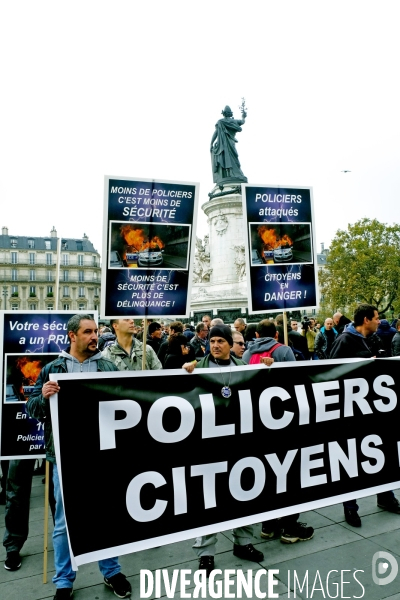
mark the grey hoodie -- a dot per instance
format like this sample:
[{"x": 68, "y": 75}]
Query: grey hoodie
[
  {"x": 87, "y": 366},
  {"x": 281, "y": 354}
]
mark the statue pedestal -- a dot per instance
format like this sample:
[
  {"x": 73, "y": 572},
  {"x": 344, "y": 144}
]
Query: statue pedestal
[{"x": 225, "y": 286}]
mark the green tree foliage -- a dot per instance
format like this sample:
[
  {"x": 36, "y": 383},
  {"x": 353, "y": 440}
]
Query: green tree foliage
[{"x": 363, "y": 265}]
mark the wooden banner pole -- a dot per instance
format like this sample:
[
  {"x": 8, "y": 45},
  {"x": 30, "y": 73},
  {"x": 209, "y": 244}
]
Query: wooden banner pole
[{"x": 46, "y": 521}]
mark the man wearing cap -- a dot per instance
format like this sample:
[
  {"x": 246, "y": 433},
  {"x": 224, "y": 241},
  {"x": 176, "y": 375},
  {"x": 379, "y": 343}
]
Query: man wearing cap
[{"x": 220, "y": 355}]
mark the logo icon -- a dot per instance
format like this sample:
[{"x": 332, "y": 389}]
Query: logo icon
[{"x": 380, "y": 566}]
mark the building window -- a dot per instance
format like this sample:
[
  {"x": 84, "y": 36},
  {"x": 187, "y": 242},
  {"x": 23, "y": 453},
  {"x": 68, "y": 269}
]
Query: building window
[
  {"x": 49, "y": 258},
  {"x": 47, "y": 244},
  {"x": 94, "y": 261},
  {"x": 32, "y": 307},
  {"x": 32, "y": 290},
  {"x": 96, "y": 307},
  {"x": 65, "y": 259},
  {"x": 49, "y": 289},
  {"x": 32, "y": 258},
  {"x": 81, "y": 292},
  {"x": 96, "y": 292},
  {"x": 66, "y": 306},
  {"x": 81, "y": 306},
  {"x": 64, "y": 245},
  {"x": 14, "y": 306},
  {"x": 32, "y": 275},
  {"x": 80, "y": 260},
  {"x": 13, "y": 242},
  {"x": 95, "y": 275},
  {"x": 14, "y": 290},
  {"x": 14, "y": 258},
  {"x": 65, "y": 276},
  {"x": 49, "y": 275},
  {"x": 50, "y": 306},
  {"x": 81, "y": 275},
  {"x": 31, "y": 243},
  {"x": 14, "y": 275},
  {"x": 66, "y": 290}
]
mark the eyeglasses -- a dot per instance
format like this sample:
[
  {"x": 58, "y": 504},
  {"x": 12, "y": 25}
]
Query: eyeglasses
[{"x": 240, "y": 343}]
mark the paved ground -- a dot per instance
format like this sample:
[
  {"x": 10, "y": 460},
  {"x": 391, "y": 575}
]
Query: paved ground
[{"x": 336, "y": 545}]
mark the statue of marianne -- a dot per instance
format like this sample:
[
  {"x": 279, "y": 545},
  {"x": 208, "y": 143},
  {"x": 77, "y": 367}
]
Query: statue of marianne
[{"x": 224, "y": 156}]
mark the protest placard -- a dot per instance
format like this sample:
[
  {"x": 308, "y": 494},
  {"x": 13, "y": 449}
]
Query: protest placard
[
  {"x": 280, "y": 248},
  {"x": 29, "y": 341},
  {"x": 149, "y": 237},
  {"x": 185, "y": 461}
]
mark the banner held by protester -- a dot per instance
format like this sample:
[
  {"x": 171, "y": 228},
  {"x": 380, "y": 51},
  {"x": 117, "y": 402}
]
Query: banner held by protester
[{"x": 187, "y": 461}]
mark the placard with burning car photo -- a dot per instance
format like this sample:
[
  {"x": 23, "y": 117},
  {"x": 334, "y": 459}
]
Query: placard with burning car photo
[
  {"x": 148, "y": 245},
  {"x": 280, "y": 248},
  {"x": 29, "y": 341}
]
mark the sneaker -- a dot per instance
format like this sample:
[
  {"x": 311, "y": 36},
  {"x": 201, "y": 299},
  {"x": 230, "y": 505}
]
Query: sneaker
[
  {"x": 297, "y": 533},
  {"x": 248, "y": 552},
  {"x": 352, "y": 517},
  {"x": 13, "y": 561},
  {"x": 206, "y": 563},
  {"x": 392, "y": 506},
  {"x": 63, "y": 593},
  {"x": 119, "y": 584}
]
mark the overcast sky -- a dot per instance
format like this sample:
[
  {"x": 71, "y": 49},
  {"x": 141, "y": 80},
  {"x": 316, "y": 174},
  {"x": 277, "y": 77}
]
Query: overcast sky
[{"x": 134, "y": 89}]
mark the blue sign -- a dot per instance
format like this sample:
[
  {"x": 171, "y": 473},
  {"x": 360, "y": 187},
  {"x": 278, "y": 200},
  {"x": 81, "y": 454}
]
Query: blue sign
[
  {"x": 281, "y": 269},
  {"x": 30, "y": 341},
  {"x": 149, "y": 236}
]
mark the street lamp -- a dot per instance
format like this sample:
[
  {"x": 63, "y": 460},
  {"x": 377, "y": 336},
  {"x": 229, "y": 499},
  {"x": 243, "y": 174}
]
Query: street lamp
[{"x": 5, "y": 294}]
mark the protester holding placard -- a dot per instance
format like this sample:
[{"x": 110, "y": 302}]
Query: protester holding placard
[{"x": 82, "y": 356}]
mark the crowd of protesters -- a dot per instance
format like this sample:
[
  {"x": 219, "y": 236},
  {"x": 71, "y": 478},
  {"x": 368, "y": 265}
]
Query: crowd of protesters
[{"x": 120, "y": 347}]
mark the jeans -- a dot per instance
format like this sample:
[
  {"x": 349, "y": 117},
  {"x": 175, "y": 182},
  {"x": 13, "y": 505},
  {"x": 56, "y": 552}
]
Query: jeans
[
  {"x": 18, "y": 495},
  {"x": 65, "y": 576}
]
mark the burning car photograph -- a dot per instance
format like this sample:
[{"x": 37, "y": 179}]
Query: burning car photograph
[
  {"x": 22, "y": 372},
  {"x": 278, "y": 243},
  {"x": 149, "y": 245}
]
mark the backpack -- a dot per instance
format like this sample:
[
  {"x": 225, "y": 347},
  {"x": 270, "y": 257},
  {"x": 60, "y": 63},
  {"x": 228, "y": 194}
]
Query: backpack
[{"x": 255, "y": 358}]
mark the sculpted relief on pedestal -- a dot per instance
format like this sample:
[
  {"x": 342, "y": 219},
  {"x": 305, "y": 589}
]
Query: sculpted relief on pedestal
[
  {"x": 221, "y": 224},
  {"x": 201, "y": 266},
  {"x": 240, "y": 262}
]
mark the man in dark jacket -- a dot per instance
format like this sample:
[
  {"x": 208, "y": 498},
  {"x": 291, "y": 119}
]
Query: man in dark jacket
[
  {"x": 199, "y": 341},
  {"x": 340, "y": 322},
  {"x": 396, "y": 341},
  {"x": 154, "y": 336},
  {"x": 386, "y": 334},
  {"x": 221, "y": 343},
  {"x": 352, "y": 343},
  {"x": 325, "y": 339},
  {"x": 82, "y": 356}
]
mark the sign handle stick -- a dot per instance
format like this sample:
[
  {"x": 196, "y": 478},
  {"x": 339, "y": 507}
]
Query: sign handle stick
[
  {"x": 144, "y": 344},
  {"x": 46, "y": 521},
  {"x": 285, "y": 329}
]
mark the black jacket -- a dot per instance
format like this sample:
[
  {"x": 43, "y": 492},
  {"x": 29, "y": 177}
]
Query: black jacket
[
  {"x": 350, "y": 344},
  {"x": 396, "y": 344}
]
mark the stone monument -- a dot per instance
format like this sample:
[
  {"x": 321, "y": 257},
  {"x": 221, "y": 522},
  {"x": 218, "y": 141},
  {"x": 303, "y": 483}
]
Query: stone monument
[{"x": 219, "y": 279}]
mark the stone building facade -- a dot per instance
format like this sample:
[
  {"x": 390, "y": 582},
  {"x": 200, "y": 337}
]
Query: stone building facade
[{"x": 28, "y": 273}]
